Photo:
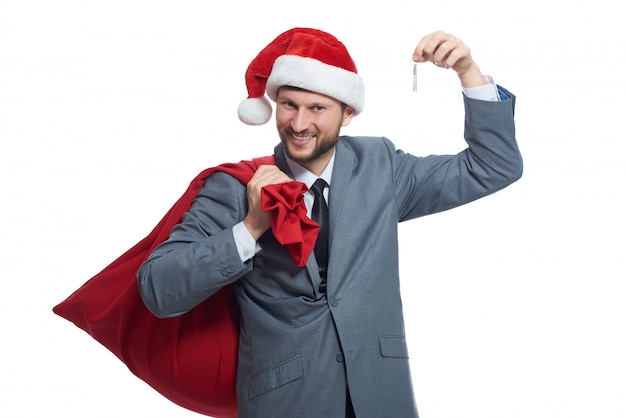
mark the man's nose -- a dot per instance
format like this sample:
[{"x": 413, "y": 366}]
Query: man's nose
[{"x": 300, "y": 121}]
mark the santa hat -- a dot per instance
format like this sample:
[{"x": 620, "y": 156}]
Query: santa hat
[{"x": 305, "y": 58}]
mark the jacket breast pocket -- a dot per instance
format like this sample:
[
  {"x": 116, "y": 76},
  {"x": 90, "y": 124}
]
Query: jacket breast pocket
[
  {"x": 276, "y": 376},
  {"x": 393, "y": 347}
]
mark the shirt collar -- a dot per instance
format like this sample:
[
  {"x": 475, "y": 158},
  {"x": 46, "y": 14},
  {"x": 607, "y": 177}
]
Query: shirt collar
[{"x": 303, "y": 175}]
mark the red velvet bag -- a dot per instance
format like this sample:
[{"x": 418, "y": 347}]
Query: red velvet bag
[{"x": 190, "y": 359}]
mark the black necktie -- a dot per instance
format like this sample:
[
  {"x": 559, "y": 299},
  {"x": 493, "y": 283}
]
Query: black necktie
[{"x": 319, "y": 213}]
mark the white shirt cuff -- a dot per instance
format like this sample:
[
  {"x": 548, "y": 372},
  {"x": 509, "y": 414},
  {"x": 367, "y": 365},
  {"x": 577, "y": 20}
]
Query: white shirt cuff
[
  {"x": 246, "y": 245},
  {"x": 487, "y": 92}
]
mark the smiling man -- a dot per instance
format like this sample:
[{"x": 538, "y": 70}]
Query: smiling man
[{"x": 327, "y": 339}]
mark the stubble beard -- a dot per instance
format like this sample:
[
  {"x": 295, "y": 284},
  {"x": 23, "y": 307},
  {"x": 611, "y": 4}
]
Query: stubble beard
[{"x": 324, "y": 144}]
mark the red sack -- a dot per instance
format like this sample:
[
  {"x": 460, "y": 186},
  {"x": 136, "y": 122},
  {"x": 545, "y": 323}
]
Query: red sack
[{"x": 190, "y": 359}]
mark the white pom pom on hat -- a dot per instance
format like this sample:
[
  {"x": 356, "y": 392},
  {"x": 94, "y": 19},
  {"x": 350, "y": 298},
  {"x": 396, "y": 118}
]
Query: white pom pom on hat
[
  {"x": 305, "y": 58},
  {"x": 255, "y": 111}
]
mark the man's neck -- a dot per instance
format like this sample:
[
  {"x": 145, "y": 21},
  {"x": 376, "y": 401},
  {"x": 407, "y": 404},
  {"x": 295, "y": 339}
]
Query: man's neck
[{"x": 308, "y": 176}]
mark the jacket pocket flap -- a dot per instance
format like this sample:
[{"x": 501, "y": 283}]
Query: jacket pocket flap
[
  {"x": 393, "y": 347},
  {"x": 275, "y": 377}
]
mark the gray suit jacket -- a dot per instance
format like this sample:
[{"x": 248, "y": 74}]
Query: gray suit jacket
[{"x": 299, "y": 349}]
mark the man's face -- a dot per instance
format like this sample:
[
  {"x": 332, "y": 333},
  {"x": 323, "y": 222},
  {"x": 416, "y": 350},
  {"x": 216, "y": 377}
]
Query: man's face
[{"x": 308, "y": 125}]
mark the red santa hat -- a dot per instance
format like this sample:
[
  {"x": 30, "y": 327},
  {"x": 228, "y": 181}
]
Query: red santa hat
[{"x": 305, "y": 58}]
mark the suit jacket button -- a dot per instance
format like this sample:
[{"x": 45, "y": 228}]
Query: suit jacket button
[
  {"x": 339, "y": 357},
  {"x": 334, "y": 301},
  {"x": 226, "y": 271}
]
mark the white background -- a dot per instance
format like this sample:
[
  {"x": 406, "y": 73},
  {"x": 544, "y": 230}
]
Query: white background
[{"x": 514, "y": 304}]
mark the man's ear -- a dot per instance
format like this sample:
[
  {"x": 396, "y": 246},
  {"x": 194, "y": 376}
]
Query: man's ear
[{"x": 348, "y": 115}]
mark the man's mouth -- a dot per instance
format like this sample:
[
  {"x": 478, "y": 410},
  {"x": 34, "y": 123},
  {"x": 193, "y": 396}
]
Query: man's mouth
[{"x": 301, "y": 137}]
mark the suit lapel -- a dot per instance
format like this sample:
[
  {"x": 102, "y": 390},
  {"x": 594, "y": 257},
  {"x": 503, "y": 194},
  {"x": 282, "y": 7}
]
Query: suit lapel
[
  {"x": 342, "y": 175},
  {"x": 340, "y": 183}
]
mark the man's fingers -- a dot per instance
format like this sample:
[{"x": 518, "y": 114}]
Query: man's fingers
[
  {"x": 267, "y": 174},
  {"x": 444, "y": 50}
]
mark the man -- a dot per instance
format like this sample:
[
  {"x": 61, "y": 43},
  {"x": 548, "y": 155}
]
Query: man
[{"x": 327, "y": 339}]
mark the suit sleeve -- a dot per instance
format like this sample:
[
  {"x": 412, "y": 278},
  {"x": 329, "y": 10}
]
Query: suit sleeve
[
  {"x": 491, "y": 162},
  {"x": 200, "y": 255}
]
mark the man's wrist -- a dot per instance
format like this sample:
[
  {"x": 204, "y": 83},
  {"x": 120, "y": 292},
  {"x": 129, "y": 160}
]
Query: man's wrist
[{"x": 472, "y": 77}]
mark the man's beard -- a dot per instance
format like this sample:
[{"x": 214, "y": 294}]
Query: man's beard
[{"x": 323, "y": 145}]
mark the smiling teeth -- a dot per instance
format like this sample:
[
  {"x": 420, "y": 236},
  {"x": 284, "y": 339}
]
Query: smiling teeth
[{"x": 302, "y": 138}]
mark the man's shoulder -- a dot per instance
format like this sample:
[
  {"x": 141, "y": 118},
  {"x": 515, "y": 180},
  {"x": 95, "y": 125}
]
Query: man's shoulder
[
  {"x": 360, "y": 145},
  {"x": 220, "y": 182},
  {"x": 365, "y": 142}
]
